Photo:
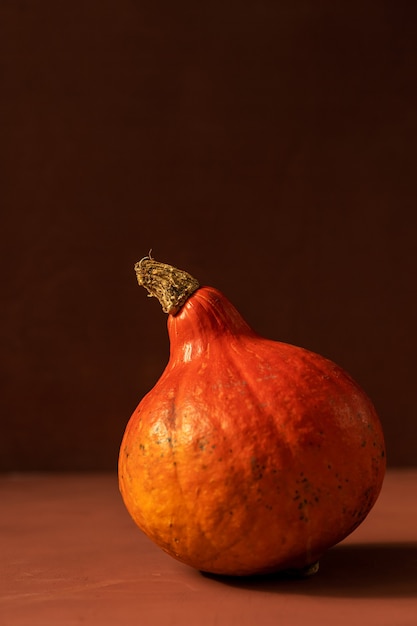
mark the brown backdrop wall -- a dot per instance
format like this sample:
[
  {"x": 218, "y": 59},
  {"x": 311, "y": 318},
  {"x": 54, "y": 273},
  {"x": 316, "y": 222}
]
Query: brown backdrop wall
[{"x": 267, "y": 147}]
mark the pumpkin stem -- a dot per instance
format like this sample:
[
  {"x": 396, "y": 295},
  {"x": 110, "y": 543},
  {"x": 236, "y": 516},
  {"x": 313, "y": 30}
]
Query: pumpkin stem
[{"x": 170, "y": 285}]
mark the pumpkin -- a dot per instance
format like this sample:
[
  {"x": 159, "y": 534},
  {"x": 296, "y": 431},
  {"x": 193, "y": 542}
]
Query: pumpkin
[{"x": 249, "y": 455}]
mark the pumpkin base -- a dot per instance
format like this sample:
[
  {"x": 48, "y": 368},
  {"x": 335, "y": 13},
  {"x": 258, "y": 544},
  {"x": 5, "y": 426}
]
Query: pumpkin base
[{"x": 303, "y": 572}]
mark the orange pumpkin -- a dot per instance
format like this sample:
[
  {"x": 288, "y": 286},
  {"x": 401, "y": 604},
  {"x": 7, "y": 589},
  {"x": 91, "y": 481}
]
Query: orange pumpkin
[{"x": 249, "y": 455}]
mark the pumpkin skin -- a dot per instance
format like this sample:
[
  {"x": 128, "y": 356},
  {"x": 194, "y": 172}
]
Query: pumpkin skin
[{"x": 248, "y": 456}]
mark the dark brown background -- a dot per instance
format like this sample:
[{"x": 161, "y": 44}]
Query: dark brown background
[{"x": 267, "y": 147}]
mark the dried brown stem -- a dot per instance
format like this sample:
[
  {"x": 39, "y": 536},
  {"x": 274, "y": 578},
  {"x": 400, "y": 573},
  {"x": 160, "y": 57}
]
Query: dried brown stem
[{"x": 170, "y": 285}]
